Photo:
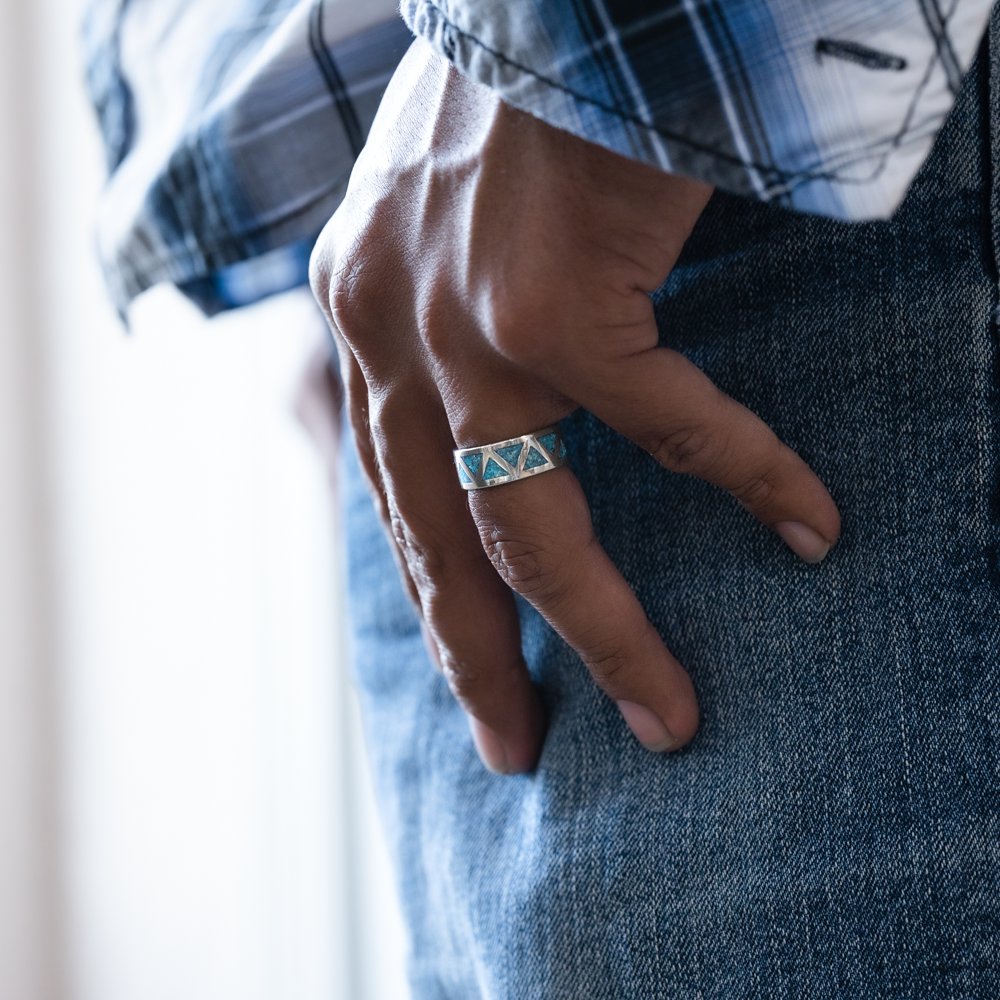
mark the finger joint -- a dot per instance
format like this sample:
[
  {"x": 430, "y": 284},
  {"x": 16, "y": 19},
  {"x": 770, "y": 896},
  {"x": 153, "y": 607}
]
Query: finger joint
[
  {"x": 685, "y": 449},
  {"x": 425, "y": 558},
  {"x": 525, "y": 566}
]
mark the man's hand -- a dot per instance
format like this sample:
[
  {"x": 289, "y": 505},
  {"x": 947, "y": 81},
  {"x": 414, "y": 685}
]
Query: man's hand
[{"x": 486, "y": 275}]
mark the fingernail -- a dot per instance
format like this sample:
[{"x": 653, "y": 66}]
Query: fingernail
[
  {"x": 804, "y": 542},
  {"x": 648, "y": 728},
  {"x": 491, "y": 749}
]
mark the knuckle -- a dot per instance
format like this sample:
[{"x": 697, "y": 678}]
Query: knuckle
[
  {"x": 511, "y": 338},
  {"x": 465, "y": 682},
  {"x": 322, "y": 262},
  {"x": 352, "y": 282},
  {"x": 523, "y": 565},
  {"x": 606, "y": 660},
  {"x": 517, "y": 319},
  {"x": 346, "y": 289},
  {"x": 425, "y": 557},
  {"x": 685, "y": 449},
  {"x": 758, "y": 492},
  {"x": 437, "y": 322},
  {"x": 319, "y": 277}
]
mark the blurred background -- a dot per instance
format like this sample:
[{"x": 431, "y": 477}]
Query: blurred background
[{"x": 184, "y": 802}]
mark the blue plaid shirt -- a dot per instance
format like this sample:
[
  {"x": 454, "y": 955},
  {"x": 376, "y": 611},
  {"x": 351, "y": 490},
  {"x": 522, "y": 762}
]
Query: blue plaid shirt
[{"x": 232, "y": 125}]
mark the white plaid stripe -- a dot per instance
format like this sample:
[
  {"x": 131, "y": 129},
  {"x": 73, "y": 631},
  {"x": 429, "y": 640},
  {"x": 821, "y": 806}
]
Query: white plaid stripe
[{"x": 829, "y": 106}]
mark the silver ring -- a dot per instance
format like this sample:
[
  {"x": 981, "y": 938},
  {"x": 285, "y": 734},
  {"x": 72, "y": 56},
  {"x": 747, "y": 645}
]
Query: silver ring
[{"x": 510, "y": 460}]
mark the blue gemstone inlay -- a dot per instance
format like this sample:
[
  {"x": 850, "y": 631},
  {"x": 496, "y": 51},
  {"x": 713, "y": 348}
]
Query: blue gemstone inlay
[
  {"x": 562, "y": 449},
  {"x": 493, "y": 471},
  {"x": 510, "y": 453},
  {"x": 472, "y": 461},
  {"x": 548, "y": 442},
  {"x": 462, "y": 474},
  {"x": 534, "y": 459}
]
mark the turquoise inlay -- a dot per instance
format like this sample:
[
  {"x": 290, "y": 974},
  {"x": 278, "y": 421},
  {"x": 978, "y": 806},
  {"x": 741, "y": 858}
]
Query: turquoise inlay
[
  {"x": 510, "y": 453},
  {"x": 534, "y": 459},
  {"x": 462, "y": 474},
  {"x": 472, "y": 461},
  {"x": 493, "y": 471},
  {"x": 562, "y": 449},
  {"x": 548, "y": 442}
]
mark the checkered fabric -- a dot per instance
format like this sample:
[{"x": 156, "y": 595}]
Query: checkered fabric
[
  {"x": 828, "y": 106},
  {"x": 231, "y": 126}
]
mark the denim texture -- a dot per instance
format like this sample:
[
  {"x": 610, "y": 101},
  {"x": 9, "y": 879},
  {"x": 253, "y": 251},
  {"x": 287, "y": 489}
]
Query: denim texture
[{"x": 832, "y": 831}]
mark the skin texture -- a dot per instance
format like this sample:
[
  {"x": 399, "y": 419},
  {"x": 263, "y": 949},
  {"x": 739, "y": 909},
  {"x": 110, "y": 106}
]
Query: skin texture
[{"x": 485, "y": 276}]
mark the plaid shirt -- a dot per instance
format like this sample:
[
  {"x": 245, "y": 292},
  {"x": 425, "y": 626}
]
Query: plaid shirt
[{"x": 232, "y": 125}]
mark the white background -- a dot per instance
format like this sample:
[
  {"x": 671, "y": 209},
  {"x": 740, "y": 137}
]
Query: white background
[{"x": 184, "y": 812}]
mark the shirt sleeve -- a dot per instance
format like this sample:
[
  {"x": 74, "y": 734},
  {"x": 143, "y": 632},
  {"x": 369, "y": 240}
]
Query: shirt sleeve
[
  {"x": 828, "y": 106},
  {"x": 231, "y": 128}
]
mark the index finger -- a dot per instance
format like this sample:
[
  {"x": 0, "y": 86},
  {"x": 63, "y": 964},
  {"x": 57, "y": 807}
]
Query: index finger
[
  {"x": 605, "y": 358},
  {"x": 667, "y": 405}
]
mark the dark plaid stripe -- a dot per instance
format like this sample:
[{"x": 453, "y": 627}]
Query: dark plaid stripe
[
  {"x": 334, "y": 81},
  {"x": 708, "y": 88},
  {"x": 938, "y": 27}
]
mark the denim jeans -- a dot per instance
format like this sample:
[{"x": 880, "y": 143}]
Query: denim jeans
[{"x": 833, "y": 830}]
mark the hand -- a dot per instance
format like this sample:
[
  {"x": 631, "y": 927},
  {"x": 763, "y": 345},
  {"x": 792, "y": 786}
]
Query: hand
[{"x": 486, "y": 275}]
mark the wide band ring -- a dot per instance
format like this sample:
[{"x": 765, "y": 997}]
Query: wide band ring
[{"x": 510, "y": 460}]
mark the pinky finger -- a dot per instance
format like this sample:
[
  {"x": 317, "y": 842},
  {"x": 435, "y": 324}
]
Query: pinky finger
[{"x": 356, "y": 402}]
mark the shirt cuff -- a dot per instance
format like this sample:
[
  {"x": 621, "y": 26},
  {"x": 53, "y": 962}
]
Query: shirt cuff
[{"x": 827, "y": 107}]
